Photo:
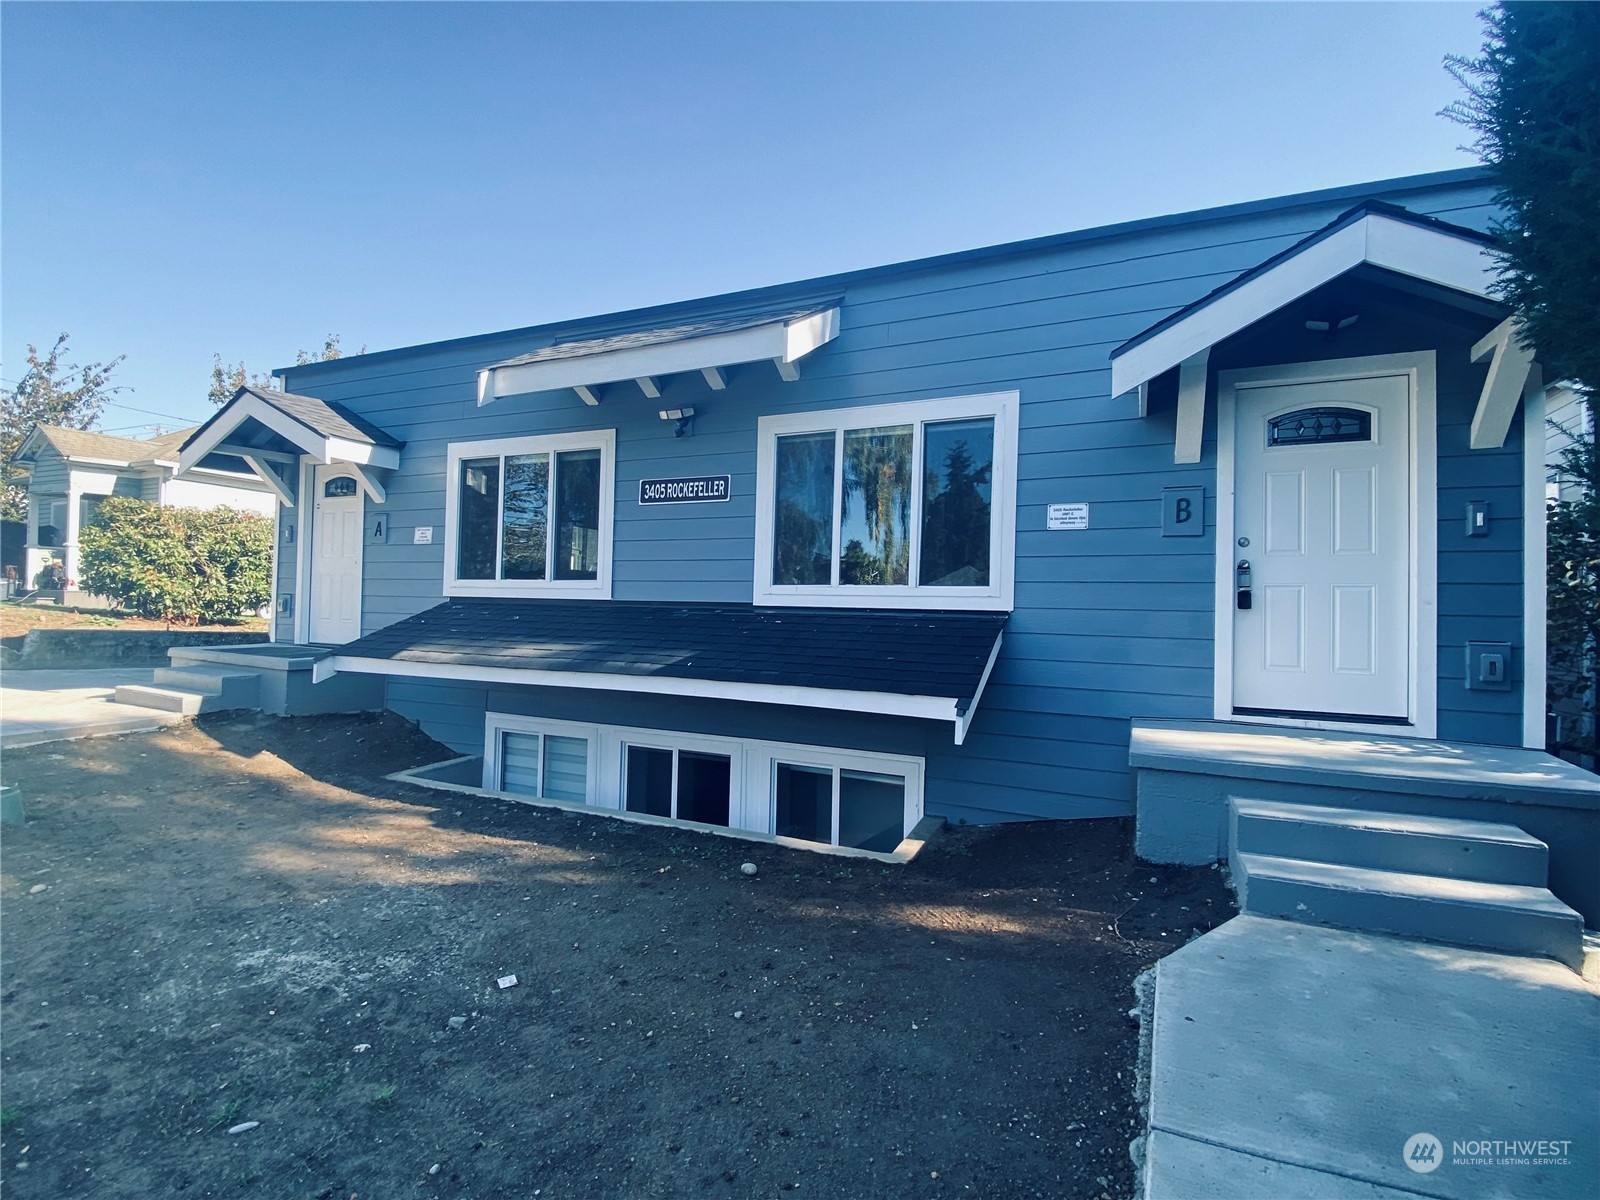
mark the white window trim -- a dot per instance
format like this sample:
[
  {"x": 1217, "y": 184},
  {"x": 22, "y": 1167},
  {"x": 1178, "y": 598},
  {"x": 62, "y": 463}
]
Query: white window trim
[
  {"x": 603, "y": 440},
  {"x": 1002, "y": 406},
  {"x": 1422, "y": 705},
  {"x": 752, "y": 797}
]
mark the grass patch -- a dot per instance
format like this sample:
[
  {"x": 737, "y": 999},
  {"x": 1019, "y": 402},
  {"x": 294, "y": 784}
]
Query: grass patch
[
  {"x": 9, "y": 1117},
  {"x": 384, "y": 1094}
]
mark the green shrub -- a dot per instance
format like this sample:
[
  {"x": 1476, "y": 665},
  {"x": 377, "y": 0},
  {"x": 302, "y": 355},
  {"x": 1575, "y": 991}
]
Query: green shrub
[{"x": 178, "y": 564}]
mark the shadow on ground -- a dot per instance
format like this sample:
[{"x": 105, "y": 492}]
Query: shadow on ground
[{"x": 231, "y": 911}]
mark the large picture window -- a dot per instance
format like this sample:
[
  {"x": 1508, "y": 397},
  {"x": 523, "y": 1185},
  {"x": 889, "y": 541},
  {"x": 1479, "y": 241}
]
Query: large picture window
[
  {"x": 526, "y": 515},
  {"x": 906, "y": 504}
]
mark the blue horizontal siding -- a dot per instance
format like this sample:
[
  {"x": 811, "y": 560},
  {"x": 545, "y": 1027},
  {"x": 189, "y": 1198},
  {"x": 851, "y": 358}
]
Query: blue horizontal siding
[{"x": 1111, "y": 623}]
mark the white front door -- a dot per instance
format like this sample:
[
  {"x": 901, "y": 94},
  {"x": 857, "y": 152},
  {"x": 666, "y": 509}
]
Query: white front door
[
  {"x": 1322, "y": 555},
  {"x": 336, "y": 539}
]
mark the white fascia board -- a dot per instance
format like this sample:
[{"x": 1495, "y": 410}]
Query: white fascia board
[
  {"x": 777, "y": 340},
  {"x": 240, "y": 411},
  {"x": 930, "y": 708},
  {"x": 806, "y": 334},
  {"x": 1430, "y": 255},
  {"x": 361, "y": 454},
  {"x": 1427, "y": 254},
  {"x": 96, "y": 462}
]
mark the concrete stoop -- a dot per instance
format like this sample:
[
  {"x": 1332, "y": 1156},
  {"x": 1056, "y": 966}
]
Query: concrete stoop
[
  {"x": 1290, "y": 1060},
  {"x": 1465, "y": 883},
  {"x": 194, "y": 689}
]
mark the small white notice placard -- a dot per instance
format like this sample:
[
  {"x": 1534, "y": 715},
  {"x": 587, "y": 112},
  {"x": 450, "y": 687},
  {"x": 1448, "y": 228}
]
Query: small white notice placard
[
  {"x": 1068, "y": 516},
  {"x": 422, "y": 535}
]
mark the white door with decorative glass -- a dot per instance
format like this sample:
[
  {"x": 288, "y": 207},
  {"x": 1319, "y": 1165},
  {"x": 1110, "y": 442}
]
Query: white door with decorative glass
[
  {"x": 1322, "y": 579},
  {"x": 336, "y": 544}
]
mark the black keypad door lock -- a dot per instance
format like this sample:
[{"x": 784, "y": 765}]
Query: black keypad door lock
[{"x": 1241, "y": 575}]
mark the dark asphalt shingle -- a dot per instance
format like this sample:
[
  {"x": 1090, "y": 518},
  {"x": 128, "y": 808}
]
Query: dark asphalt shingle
[{"x": 906, "y": 653}]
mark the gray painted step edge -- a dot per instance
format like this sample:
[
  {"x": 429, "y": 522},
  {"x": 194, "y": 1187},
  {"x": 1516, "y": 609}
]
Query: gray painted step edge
[
  {"x": 165, "y": 699},
  {"x": 210, "y": 682},
  {"x": 1494, "y": 916},
  {"x": 1480, "y": 850}
]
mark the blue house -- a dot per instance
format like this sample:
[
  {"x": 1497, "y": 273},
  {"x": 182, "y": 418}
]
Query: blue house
[{"x": 976, "y": 537}]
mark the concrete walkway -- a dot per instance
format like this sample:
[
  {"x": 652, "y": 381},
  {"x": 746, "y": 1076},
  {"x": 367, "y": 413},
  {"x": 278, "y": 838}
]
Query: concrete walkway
[
  {"x": 1290, "y": 1060},
  {"x": 53, "y": 706}
]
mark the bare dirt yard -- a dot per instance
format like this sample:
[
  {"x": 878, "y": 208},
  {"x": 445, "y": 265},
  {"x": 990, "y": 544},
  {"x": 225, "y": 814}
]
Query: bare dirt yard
[{"x": 239, "y": 923}]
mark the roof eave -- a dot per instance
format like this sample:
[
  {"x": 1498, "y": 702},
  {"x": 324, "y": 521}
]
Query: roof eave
[
  {"x": 933, "y": 708},
  {"x": 820, "y": 285}
]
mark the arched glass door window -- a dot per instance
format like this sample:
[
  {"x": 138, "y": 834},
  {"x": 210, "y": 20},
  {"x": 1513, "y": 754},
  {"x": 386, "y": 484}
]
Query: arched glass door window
[
  {"x": 1313, "y": 426},
  {"x": 335, "y": 488}
]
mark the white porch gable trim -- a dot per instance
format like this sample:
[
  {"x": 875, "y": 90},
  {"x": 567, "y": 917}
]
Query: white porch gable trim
[
  {"x": 1433, "y": 255},
  {"x": 586, "y": 367},
  {"x": 319, "y": 447},
  {"x": 932, "y": 708}
]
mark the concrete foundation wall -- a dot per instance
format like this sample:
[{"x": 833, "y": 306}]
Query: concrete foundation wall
[{"x": 87, "y": 648}]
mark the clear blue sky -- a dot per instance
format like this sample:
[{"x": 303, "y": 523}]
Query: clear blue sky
[{"x": 244, "y": 179}]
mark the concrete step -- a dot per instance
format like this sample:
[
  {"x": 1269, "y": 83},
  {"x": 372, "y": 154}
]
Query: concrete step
[
  {"x": 166, "y": 699},
  {"x": 194, "y": 689},
  {"x": 1511, "y": 918},
  {"x": 230, "y": 689},
  {"x": 1480, "y": 850}
]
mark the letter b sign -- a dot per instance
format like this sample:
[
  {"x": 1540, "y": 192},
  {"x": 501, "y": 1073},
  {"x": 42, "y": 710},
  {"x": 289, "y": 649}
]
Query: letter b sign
[{"x": 1183, "y": 512}]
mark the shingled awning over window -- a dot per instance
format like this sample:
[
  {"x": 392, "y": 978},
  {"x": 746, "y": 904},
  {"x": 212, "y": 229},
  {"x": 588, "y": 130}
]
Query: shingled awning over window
[
  {"x": 708, "y": 346},
  {"x": 917, "y": 664}
]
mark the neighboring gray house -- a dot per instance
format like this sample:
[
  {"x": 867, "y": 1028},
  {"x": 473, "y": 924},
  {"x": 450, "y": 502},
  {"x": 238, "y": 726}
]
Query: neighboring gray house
[
  {"x": 818, "y": 559},
  {"x": 70, "y": 471}
]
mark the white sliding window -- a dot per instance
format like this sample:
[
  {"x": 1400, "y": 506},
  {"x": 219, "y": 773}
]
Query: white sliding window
[
  {"x": 902, "y": 505},
  {"x": 530, "y": 516}
]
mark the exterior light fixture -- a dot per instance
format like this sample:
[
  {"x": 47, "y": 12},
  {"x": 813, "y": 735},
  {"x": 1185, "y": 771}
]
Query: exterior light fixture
[{"x": 684, "y": 418}]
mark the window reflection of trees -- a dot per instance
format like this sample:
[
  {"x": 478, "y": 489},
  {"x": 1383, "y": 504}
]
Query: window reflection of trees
[
  {"x": 479, "y": 518},
  {"x": 802, "y": 550},
  {"x": 876, "y": 504},
  {"x": 526, "y": 511},
  {"x": 955, "y": 511},
  {"x": 578, "y": 514}
]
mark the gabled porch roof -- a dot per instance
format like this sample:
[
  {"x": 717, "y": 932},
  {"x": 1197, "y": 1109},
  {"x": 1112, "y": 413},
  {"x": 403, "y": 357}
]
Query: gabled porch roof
[
  {"x": 261, "y": 426},
  {"x": 1372, "y": 233},
  {"x": 1374, "y": 241}
]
